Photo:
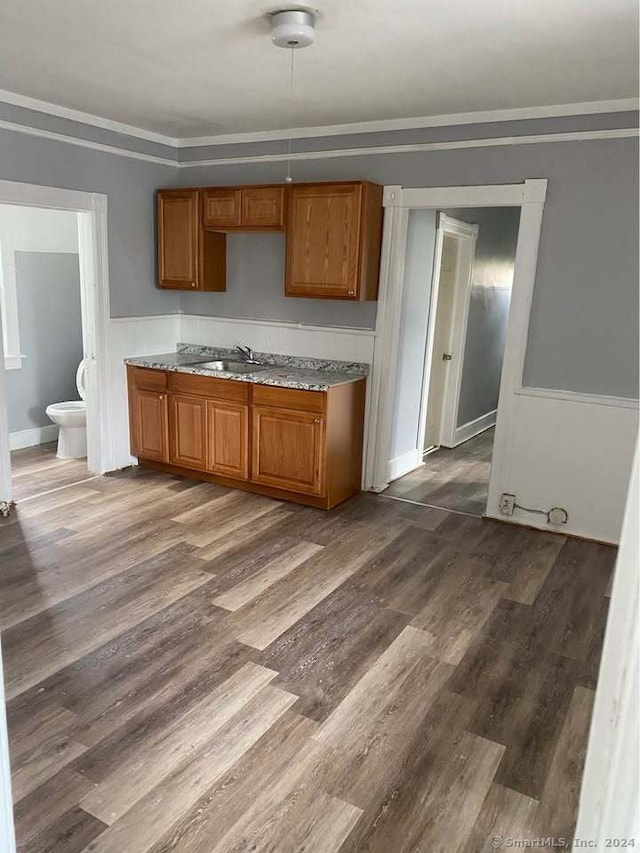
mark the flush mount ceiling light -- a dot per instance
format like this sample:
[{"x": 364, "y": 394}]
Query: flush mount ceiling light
[{"x": 292, "y": 29}]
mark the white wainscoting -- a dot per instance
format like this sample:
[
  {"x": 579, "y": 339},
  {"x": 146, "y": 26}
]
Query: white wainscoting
[
  {"x": 565, "y": 449},
  {"x": 342, "y": 344},
  {"x": 131, "y": 336},
  {"x": 32, "y": 437},
  {"x": 573, "y": 451}
]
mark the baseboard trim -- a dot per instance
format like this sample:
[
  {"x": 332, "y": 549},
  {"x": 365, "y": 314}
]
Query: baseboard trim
[
  {"x": 404, "y": 463},
  {"x": 32, "y": 437},
  {"x": 475, "y": 427}
]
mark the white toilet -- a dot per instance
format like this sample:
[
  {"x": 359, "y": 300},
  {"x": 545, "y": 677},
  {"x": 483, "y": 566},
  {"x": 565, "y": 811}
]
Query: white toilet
[{"x": 71, "y": 419}]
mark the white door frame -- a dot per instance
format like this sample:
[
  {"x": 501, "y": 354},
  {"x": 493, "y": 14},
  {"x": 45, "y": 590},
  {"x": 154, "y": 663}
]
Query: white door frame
[
  {"x": 610, "y": 783},
  {"x": 94, "y": 286},
  {"x": 529, "y": 196},
  {"x": 460, "y": 315}
]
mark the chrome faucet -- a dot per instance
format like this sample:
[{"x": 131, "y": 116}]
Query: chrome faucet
[{"x": 247, "y": 354}]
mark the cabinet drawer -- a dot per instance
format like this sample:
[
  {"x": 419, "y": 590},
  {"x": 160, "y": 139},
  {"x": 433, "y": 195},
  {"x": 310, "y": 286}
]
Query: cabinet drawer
[
  {"x": 209, "y": 386},
  {"x": 148, "y": 379},
  {"x": 289, "y": 398}
]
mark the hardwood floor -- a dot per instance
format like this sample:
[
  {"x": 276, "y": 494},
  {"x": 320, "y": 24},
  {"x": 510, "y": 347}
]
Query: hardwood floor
[
  {"x": 455, "y": 479},
  {"x": 190, "y": 668},
  {"x": 35, "y": 470}
]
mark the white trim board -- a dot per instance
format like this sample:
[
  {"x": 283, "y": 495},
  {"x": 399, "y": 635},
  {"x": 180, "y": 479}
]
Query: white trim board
[
  {"x": 92, "y": 120},
  {"x": 416, "y": 148},
  {"x": 326, "y": 154},
  {"x": 85, "y": 143},
  {"x": 475, "y": 427},
  {"x": 417, "y": 123},
  {"x": 32, "y": 437},
  {"x": 579, "y": 397},
  {"x": 403, "y": 464},
  {"x": 376, "y": 126}
]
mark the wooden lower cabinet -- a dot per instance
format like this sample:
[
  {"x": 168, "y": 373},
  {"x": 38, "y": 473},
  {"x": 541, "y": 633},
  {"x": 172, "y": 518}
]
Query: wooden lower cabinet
[
  {"x": 188, "y": 431},
  {"x": 288, "y": 450},
  {"x": 228, "y": 439},
  {"x": 304, "y": 446},
  {"x": 149, "y": 424}
]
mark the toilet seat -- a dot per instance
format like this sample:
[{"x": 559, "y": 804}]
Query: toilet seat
[
  {"x": 80, "y": 380},
  {"x": 71, "y": 419}
]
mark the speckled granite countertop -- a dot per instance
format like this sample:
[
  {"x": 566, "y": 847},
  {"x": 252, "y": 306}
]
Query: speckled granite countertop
[{"x": 309, "y": 374}]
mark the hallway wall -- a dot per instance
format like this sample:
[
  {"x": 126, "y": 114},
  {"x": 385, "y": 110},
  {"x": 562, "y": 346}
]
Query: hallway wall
[{"x": 491, "y": 282}]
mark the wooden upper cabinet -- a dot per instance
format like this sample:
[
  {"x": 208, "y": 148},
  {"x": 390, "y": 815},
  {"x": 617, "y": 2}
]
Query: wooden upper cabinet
[
  {"x": 243, "y": 208},
  {"x": 148, "y": 420},
  {"x": 262, "y": 207},
  {"x": 288, "y": 450},
  {"x": 178, "y": 227},
  {"x": 189, "y": 258},
  {"x": 334, "y": 234},
  {"x": 221, "y": 208}
]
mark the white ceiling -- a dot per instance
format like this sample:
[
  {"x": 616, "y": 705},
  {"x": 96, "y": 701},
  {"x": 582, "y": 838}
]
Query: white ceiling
[{"x": 195, "y": 67}]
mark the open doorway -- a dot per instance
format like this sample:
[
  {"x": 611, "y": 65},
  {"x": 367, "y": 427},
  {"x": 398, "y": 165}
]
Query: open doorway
[
  {"x": 54, "y": 311},
  {"x": 43, "y": 348},
  {"x": 464, "y": 343}
]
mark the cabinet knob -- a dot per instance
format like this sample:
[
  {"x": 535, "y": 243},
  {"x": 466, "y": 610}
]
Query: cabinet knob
[
  {"x": 350, "y": 293},
  {"x": 160, "y": 396},
  {"x": 193, "y": 284},
  {"x": 316, "y": 420}
]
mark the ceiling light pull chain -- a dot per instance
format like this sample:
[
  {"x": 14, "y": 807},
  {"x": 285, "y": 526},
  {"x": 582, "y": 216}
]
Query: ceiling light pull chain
[{"x": 288, "y": 178}]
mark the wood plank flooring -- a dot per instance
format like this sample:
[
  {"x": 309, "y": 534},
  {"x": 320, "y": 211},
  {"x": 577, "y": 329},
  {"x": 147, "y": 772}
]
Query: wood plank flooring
[
  {"x": 452, "y": 478},
  {"x": 195, "y": 669},
  {"x": 36, "y": 469}
]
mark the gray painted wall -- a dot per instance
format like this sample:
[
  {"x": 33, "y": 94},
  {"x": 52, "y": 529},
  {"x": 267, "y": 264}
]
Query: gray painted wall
[
  {"x": 48, "y": 286},
  {"x": 413, "y": 330},
  {"x": 488, "y": 308},
  {"x": 583, "y": 332},
  {"x": 255, "y": 290},
  {"x": 129, "y": 185}
]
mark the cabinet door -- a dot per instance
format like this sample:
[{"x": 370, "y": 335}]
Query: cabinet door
[
  {"x": 263, "y": 207},
  {"x": 323, "y": 241},
  {"x": 221, "y": 208},
  {"x": 188, "y": 426},
  {"x": 288, "y": 450},
  {"x": 149, "y": 433},
  {"x": 228, "y": 439},
  {"x": 178, "y": 230}
]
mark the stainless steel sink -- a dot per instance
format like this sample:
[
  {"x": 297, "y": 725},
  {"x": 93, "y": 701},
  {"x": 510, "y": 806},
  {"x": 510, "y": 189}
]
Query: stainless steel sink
[{"x": 230, "y": 366}]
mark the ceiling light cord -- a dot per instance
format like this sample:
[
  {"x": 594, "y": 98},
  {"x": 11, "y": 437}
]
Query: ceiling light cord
[{"x": 292, "y": 51}]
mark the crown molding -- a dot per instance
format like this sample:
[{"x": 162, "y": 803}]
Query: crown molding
[
  {"x": 331, "y": 153},
  {"x": 325, "y": 154},
  {"x": 448, "y": 120},
  {"x": 84, "y": 118},
  {"x": 86, "y": 143},
  {"x": 415, "y": 123}
]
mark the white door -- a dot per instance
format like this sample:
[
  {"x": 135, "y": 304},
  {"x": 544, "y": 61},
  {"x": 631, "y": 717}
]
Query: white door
[
  {"x": 441, "y": 340},
  {"x": 451, "y": 288}
]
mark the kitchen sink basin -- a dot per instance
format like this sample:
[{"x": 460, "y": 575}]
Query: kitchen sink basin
[{"x": 231, "y": 366}]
